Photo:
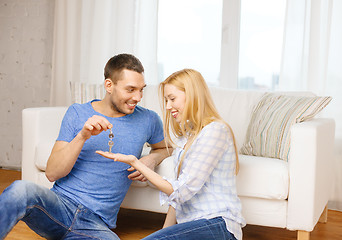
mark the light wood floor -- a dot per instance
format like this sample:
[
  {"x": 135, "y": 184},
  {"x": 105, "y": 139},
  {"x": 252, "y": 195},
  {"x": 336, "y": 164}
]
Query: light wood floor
[{"x": 134, "y": 224}]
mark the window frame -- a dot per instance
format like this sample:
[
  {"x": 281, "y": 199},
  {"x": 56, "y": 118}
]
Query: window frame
[{"x": 230, "y": 43}]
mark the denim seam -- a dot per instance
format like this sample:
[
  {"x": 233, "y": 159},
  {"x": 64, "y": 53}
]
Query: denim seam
[
  {"x": 76, "y": 232},
  {"x": 61, "y": 224},
  {"x": 186, "y": 231},
  {"x": 73, "y": 221},
  {"x": 82, "y": 234},
  {"x": 43, "y": 210},
  {"x": 210, "y": 228}
]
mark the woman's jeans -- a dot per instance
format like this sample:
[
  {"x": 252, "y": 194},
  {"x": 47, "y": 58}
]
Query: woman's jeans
[
  {"x": 203, "y": 229},
  {"x": 49, "y": 214}
]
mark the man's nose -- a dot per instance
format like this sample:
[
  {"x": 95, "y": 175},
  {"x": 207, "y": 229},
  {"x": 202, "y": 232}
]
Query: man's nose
[{"x": 137, "y": 96}]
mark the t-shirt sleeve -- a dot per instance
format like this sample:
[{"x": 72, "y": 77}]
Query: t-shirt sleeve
[
  {"x": 68, "y": 131},
  {"x": 156, "y": 126}
]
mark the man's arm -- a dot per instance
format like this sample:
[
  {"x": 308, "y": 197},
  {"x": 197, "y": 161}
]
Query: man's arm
[
  {"x": 64, "y": 154},
  {"x": 158, "y": 153}
]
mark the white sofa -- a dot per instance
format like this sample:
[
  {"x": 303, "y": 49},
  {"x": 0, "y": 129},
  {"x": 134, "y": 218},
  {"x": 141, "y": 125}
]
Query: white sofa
[{"x": 275, "y": 193}]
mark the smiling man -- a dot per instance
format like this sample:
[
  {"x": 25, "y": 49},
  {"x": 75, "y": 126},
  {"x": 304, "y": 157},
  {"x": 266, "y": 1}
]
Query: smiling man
[{"x": 88, "y": 190}]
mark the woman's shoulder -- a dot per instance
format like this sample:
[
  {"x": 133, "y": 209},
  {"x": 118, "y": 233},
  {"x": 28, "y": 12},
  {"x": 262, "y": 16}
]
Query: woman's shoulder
[
  {"x": 216, "y": 125},
  {"x": 216, "y": 129}
]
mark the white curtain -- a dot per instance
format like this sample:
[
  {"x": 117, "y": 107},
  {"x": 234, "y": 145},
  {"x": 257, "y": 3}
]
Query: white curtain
[
  {"x": 87, "y": 33},
  {"x": 312, "y": 57}
]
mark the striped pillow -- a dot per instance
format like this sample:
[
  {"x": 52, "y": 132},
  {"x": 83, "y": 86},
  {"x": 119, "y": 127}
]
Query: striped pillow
[{"x": 268, "y": 133}]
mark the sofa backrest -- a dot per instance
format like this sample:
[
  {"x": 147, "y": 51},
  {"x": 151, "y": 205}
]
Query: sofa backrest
[{"x": 235, "y": 106}]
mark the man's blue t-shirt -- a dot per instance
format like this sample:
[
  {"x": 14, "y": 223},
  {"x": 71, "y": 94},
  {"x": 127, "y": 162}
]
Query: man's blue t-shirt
[{"x": 96, "y": 182}]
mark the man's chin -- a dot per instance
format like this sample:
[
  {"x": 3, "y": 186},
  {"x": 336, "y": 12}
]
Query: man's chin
[{"x": 129, "y": 111}]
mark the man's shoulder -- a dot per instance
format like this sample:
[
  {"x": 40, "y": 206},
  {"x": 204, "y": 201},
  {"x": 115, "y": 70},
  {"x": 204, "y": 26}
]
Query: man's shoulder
[
  {"x": 80, "y": 106},
  {"x": 146, "y": 114},
  {"x": 144, "y": 111}
]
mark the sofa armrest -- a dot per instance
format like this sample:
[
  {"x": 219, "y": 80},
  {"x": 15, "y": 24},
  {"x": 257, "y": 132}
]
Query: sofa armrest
[
  {"x": 310, "y": 170},
  {"x": 40, "y": 125}
]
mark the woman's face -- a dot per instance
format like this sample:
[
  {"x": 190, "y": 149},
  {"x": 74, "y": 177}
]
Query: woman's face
[{"x": 175, "y": 101}]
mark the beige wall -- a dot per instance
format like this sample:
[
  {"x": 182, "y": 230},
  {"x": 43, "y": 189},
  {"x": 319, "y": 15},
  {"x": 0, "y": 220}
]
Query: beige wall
[{"x": 26, "y": 28}]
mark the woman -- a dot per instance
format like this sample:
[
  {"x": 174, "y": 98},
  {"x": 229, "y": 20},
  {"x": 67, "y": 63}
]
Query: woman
[{"x": 203, "y": 203}]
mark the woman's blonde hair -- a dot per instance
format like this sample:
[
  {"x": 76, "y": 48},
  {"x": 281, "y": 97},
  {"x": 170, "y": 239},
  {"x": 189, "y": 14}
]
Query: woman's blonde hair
[{"x": 199, "y": 109}]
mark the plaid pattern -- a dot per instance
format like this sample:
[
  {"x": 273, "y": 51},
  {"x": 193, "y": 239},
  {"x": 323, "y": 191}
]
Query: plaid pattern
[{"x": 206, "y": 186}]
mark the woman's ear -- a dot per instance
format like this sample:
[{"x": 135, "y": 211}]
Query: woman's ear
[{"x": 108, "y": 84}]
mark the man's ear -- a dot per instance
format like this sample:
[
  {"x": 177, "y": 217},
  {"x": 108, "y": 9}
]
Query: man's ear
[{"x": 108, "y": 84}]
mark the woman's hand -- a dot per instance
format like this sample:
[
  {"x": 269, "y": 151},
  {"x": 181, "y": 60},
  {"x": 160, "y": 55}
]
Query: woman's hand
[
  {"x": 152, "y": 176},
  {"x": 129, "y": 159}
]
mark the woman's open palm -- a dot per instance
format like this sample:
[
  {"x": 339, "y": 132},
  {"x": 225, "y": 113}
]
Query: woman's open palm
[{"x": 129, "y": 159}]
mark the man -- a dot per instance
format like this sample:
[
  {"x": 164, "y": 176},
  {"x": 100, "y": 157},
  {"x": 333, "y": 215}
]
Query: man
[{"x": 88, "y": 190}]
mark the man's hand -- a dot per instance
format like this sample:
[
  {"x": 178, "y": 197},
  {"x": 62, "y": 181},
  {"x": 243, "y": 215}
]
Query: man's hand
[
  {"x": 157, "y": 154},
  {"x": 130, "y": 159},
  {"x": 94, "y": 126},
  {"x": 152, "y": 176},
  {"x": 137, "y": 176}
]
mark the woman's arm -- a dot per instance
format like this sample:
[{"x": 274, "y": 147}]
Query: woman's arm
[
  {"x": 170, "y": 217},
  {"x": 159, "y": 151},
  {"x": 152, "y": 176}
]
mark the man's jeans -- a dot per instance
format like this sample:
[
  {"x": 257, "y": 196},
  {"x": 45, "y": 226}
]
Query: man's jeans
[
  {"x": 203, "y": 229},
  {"x": 49, "y": 214}
]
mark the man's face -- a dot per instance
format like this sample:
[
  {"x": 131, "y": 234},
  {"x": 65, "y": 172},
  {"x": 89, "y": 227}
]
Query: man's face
[{"x": 127, "y": 92}]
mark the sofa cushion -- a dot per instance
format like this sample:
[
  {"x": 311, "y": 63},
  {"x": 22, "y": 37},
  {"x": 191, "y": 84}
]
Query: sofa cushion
[
  {"x": 268, "y": 133},
  {"x": 262, "y": 178},
  {"x": 258, "y": 177}
]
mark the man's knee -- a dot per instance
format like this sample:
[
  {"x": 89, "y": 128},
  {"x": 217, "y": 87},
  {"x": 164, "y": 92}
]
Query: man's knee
[{"x": 20, "y": 188}]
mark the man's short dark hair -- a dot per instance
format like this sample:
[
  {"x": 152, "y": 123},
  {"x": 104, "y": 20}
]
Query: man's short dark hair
[{"x": 120, "y": 62}]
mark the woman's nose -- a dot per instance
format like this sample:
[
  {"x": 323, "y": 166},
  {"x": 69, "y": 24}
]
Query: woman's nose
[{"x": 168, "y": 105}]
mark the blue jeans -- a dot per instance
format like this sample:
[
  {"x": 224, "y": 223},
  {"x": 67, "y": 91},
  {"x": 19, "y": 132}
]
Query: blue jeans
[
  {"x": 203, "y": 229},
  {"x": 49, "y": 214}
]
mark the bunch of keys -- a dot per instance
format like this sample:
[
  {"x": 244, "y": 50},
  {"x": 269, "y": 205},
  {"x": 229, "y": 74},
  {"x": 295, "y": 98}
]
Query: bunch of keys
[{"x": 110, "y": 142}]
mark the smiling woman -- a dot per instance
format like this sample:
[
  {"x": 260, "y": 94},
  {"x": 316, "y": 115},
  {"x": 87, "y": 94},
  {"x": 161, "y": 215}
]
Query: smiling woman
[{"x": 175, "y": 100}]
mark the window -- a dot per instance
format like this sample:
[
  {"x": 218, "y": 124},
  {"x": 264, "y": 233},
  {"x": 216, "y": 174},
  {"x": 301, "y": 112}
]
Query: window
[
  {"x": 189, "y": 36},
  {"x": 261, "y": 39}
]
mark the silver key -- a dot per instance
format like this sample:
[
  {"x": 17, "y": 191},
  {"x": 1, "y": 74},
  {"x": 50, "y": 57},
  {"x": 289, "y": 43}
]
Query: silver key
[{"x": 110, "y": 142}]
